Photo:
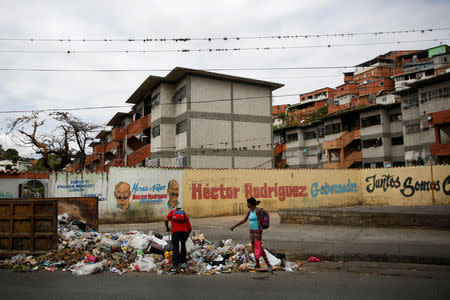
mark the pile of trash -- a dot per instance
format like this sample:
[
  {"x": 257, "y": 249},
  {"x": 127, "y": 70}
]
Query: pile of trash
[{"x": 84, "y": 251}]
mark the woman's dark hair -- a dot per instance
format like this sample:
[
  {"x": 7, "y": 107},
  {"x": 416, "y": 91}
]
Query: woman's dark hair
[{"x": 253, "y": 201}]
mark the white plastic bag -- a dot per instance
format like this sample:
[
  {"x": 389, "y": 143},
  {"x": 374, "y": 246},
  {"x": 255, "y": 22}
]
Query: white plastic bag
[
  {"x": 145, "y": 263},
  {"x": 272, "y": 259},
  {"x": 190, "y": 246},
  {"x": 139, "y": 241},
  {"x": 87, "y": 269},
  {"x": 160, "y": 242}
]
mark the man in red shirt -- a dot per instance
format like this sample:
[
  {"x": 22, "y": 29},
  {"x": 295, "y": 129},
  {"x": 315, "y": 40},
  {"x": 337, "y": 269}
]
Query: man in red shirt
[{"x": 181, "y": 228}]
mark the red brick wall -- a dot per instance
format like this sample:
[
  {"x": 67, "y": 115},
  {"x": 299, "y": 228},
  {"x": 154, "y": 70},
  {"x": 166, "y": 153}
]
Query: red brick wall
[
  {"x": 348, "y": 88},
  {"x": 376, "y": 87}
]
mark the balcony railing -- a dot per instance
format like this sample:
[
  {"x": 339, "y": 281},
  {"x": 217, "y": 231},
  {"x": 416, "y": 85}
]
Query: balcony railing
[
  {"x": 139, "y": 125},
  {"x": 139, "y": 155},
  {"x": 118, "y": 134},
  {"x": 440, "y": 149}
]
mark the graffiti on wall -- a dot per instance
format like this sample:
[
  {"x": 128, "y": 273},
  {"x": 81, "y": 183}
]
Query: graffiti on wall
[
  {"x": 407, "y": 187},
  {"x": 265, "y": 191},
  {"x": 6, "y": 195},
  {"x": 83, "y": 186},
  {"x": 330, "y": 189},
  {"x": 127, "y": 195}
]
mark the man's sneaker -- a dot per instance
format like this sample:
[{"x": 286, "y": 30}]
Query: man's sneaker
[{"x": 269, "y": 268}]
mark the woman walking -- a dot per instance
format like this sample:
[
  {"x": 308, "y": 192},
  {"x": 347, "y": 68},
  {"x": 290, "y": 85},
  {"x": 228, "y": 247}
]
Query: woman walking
[{"x": 255, "y": 228}]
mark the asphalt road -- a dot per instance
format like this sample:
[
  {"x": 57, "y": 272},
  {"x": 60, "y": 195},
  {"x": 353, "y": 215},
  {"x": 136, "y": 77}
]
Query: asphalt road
[{"x": 302, "y": 285}]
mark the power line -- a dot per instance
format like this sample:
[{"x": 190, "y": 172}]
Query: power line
[
  {"x": 168, "y": 70},
  {"x": 214, "y": 49},
  {"x": 227, "y": 38},
  {"x": 129, "y": 106}
]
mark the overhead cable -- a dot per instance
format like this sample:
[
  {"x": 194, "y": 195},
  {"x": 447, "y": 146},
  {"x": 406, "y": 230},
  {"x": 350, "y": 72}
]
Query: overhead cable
[
  {"x": 215, "y": 49},
  {"x": 224, "y": 38}
]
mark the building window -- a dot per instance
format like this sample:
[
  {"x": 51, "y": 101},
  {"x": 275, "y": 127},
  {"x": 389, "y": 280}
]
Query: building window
[
  {"x": 410, "y": 101},
  {"x": 396, "y": 117},
  {"x": 311, "y": 152},
  {"x": 444, "y": 92},
  {"x": 179, "y": 94},
  {"x": 366, "y": 166},
  {"x": 310, "y": 135},
  {"x": 412, "y": 128},
  {"x": 321, "y": 132},
  {"x": 372, "y": 143},
  {"x": 332, "y": 128},
  {"x": 156, "y": 131},
  {"x": 156, "y": 100},
  {"x": 398, "y": 164},
  {"x": 379, "y": 164},
  {"x": 181, "y": 127},
  {"x": 397, "y": 140},
  {"x": 371, "y": 121},
  {"x": 293, "y": 137},
  {"x": 293, "y": 153}
]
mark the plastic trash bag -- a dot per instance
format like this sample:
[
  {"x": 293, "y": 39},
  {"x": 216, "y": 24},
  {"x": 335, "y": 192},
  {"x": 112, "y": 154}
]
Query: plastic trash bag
[
  {"x": 272, "y": 259},
  {"x": 258, "y": 249},
  {"x": 87, "y": 269},
  {"x": 190, "y": 246},
  {"x": 145, "y": 263},
  {"x": 139, "y": 241}
]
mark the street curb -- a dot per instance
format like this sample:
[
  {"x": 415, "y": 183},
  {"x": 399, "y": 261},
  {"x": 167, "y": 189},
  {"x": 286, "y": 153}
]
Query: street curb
[
  {"x": 432, "y": 260},
  {"x": 341, "y": 216}
]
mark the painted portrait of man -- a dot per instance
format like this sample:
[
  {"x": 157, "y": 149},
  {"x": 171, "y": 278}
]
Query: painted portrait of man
[
  {"x": 122, "y": 193},
  {"x": 173, "y": 191}
]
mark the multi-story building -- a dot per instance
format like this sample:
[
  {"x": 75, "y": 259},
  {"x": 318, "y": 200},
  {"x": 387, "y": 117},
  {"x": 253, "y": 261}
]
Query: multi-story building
[
  {"x": 366, "y": 126},
  {"x": 279, "y": 114},
  {"x": 195, "y": 119},
  {"x": 426, "y": 103},
  {"x": 366, "y": 136},
  {"x": 309, "y": 104}
]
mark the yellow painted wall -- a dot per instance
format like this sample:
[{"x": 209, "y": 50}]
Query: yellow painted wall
[
  {"x": 277, "y": 188},
  {"x": 390, "y": 186},
  {"x": 441, "y": 175},
  {"x": 403, "y": 186}
]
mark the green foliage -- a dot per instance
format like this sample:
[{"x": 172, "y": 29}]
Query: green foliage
[
  {"x": 53, "y": 161},
  {"x": 12, "y": 154}
]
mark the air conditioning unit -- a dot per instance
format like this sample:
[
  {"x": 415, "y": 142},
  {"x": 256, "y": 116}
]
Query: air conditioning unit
[
  {"x": 179, "y": 162},
  {"x": 154, "y": 162}
]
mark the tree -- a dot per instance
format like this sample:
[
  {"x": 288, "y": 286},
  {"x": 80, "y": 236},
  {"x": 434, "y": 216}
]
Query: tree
[
  {"x": 12, "y": 154},
  {"x": 69, "y": 131},
  {"x": 81, "y": 132}
]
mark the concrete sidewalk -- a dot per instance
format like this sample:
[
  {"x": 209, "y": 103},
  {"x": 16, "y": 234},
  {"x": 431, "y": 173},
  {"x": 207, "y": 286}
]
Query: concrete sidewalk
[{"x": 413, "y": 245}]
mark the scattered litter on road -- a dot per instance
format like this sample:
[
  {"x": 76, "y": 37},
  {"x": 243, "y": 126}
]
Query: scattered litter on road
[
  {"x": 313, "y": 259},
  {"x": 83, "y": 251}
]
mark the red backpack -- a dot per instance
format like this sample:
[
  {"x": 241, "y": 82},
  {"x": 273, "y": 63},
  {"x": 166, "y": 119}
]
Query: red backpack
[{"x": 179, "y": 216}]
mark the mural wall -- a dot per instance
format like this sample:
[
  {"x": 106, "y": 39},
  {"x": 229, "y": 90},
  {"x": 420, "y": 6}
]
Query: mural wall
[
  {"x": 406, "y": 186},
  {"x": 141, "y": 194},
  {"x": 144, "y": 194},
  {"x": 223, "y": 192}
]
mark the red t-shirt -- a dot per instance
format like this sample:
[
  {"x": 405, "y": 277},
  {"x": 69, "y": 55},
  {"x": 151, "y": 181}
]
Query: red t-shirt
[{"x": 176, "y": 226}]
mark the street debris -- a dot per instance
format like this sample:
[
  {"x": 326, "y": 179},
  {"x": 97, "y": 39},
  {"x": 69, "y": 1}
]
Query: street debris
[
  {"x": 313, "y": 259},
  {"x": 84, "y": 251}
]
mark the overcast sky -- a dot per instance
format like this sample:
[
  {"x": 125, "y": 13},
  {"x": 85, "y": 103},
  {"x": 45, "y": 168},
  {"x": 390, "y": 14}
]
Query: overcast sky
[{"x": 173, "y": 19}]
